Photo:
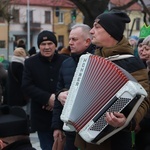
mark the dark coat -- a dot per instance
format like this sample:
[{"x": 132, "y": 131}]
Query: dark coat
[
  {"x": 40, "y": 77},
  {"x": 20, "y": 145},
  {"x": 15, "y": 96},
  {"x": 66, "y": 74},
  {"x": 3, "y": 76},
  {"x": 144, "y": 133}
]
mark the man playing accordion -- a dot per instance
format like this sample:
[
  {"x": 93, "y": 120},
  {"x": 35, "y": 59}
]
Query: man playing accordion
[{"x": 107, "y": 33}]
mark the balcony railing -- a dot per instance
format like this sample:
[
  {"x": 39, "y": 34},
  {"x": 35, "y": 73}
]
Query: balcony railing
[{"x": 34, "y": 26}]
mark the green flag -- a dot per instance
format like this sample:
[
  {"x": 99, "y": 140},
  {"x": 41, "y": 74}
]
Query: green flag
[
  {"x": 144, "y": 31},
  {"x": 1, "y": 58}
]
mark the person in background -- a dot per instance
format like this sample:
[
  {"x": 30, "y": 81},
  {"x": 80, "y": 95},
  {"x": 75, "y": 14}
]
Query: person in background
[
  {"x": 3, "y": 76},
  {"x": 21, "y": 43},
  {"x": 133, "y": 40},
  {"x": 110, "y": 43},
  {"x": 32, "y": 51},
  {"x": 4, "y": 62},
  {"x": 142, "y": 136},
  {"x": 14, "y": 131},
  {"x": 15, "y": 95},
  {"x": 80, "y": 43},
  {"x": 65, "y": 51},
  {"x": 39, "y": 82},
  {"x": 59, "y": 48},
  {"x": 139, "y": 45},
  {"x": 143, "y": 52}
]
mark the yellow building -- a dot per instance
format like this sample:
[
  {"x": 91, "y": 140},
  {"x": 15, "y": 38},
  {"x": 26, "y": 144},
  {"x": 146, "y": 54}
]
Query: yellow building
[
  {"x": 3, "y": 35},
  {"x": 63, "y": 20},
  {"x": 57, "y": 16},
  {"x": 3, "y": 38}
]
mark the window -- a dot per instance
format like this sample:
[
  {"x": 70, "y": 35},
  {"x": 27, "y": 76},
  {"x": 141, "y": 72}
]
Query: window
[
  {"x": 2, "y": 44},
  {"x": 47, "y": 17},
  {"x": 61, "y": 40},
  {"x": 16, "y": 15},
  {"x": 61, "y": 17},
  {"x": 1, "y": 18},
  {"x": 31, "y": 16},
  {"x": 137, "y": 23}
]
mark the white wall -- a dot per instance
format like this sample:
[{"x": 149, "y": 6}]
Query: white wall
[{"x": 38, "y": 17}]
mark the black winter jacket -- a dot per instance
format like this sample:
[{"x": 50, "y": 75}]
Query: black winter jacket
[
  {"x": 15, "y": 96},
  {"x": 40, "y": 78}
]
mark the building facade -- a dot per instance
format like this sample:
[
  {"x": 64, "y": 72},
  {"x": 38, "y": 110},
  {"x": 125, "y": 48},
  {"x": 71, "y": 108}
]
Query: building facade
[
  {"x": 62, "y": 23},
  {"x": 29, "y": 17}
]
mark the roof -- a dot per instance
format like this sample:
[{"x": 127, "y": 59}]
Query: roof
[
  {"x": 69, "y": 4},
  {"x": 51, "y": 3},
  {"x": 135, "y": 6}
]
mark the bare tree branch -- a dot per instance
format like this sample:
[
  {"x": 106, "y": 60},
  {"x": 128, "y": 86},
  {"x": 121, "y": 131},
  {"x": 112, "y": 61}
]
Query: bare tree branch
[
  {"x": 145, "y": 12},
  {"x": 124, "y": 7},
  {"x": 91, "y": 9}
]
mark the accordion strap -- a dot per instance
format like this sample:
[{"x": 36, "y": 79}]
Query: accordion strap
[{"x": 118, "y": 57}]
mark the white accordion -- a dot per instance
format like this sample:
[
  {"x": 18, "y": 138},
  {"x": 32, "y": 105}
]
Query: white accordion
[{"x": 100, "y": 86}]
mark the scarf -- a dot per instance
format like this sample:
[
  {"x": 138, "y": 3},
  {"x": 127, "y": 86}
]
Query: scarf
[{"x": 18, "y": 59}]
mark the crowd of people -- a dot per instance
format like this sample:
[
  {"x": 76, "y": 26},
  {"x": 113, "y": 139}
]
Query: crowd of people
[
  {"x": 42, "y": 81},
  {"x": 14, "y": 129}
]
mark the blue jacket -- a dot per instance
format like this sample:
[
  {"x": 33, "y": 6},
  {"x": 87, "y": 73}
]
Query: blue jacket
[{"x": 66, "y": 74}]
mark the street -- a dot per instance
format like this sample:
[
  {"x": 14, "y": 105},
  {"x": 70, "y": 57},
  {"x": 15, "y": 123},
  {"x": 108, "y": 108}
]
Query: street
[{"x": 35, "y": 141}]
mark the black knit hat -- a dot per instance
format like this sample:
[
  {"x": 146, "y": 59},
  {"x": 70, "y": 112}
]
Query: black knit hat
[
  {"x": 32, "y": 51},
  {"x": 46, "y": 36},
  {"x": 114, "y": 23},
  {"x": 13, "y": 121}
]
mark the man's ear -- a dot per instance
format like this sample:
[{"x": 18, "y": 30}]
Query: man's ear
[{"x": 88, "y": 41}]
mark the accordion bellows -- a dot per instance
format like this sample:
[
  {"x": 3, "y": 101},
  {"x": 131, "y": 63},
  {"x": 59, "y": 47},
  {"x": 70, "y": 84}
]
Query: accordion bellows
[{"x": 99, "y": 86}]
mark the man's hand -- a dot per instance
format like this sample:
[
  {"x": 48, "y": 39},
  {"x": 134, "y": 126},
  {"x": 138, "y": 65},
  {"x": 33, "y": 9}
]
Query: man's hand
[
  {"x": 115, "y": 119},
  {"x": 51, "y": 100},
  {"x": 58, "y": 134},
  {"x": 137, "y": 128},
  {"x": 62, "y": 97},
  {"x": 50, "y": 104}
]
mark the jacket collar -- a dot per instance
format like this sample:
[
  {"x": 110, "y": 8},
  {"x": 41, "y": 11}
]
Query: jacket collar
[
  {"x": 90, "y": 49},
  {"x": 46, "y": 59},
  {"x": 123, "y": 47}
]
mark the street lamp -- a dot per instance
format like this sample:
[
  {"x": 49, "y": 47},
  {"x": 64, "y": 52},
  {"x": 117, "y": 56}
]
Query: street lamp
[
  {"x": 28, "y": 24},
  {"x": 9, "y": 18}
]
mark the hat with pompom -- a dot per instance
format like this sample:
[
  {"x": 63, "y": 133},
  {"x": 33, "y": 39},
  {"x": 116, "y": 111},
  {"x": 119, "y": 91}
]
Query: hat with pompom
[{"x": 20, "y": 52}]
